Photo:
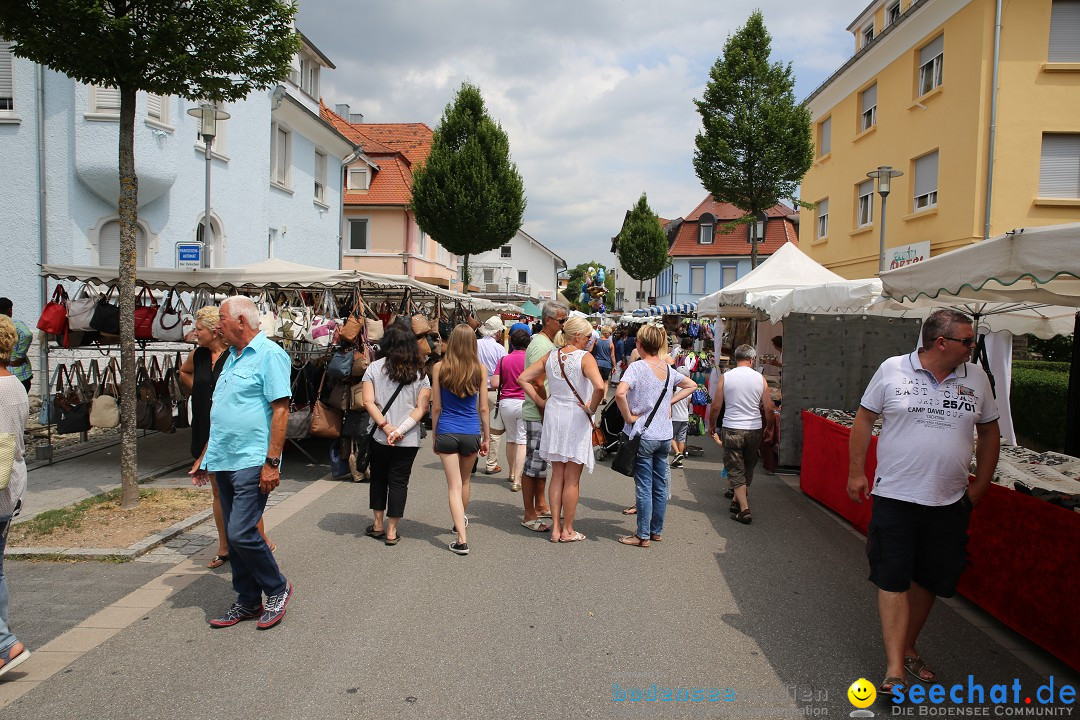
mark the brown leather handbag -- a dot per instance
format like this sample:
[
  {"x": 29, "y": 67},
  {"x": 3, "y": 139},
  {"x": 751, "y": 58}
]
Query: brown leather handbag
[{"x": 325, "y": 420}]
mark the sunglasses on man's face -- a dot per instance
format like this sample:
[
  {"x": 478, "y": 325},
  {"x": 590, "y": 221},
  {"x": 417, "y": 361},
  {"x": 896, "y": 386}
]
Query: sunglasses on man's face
[{"x": 966, "y": 342}]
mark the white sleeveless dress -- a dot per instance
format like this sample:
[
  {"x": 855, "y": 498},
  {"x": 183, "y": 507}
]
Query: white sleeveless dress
[{"x": 567, "y": 435}]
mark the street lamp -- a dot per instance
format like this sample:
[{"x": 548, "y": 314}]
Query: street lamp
[
  {"x": 675, "y": 297},
  {"x": 208, "y": 115},
  {"x": 884, "y": 175},
  {"x": 507, "y": 281}
]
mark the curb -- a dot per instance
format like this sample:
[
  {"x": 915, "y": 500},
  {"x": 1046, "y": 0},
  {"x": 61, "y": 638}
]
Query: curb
[{"x": 111, "y": 554}]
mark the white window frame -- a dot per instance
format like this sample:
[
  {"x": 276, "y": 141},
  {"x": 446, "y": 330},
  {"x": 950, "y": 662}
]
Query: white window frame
[
  {"x": 214, "y": 251},
  {"x": 523, "y": 274},
  {"x": 359, "y": 172},
  {"x": 319, "y": 173},
  {"x": 929, "y": 198},
  {"x": 489, "y": 276},
  {"x": 706, "y": 234},
  {"x": 280, "y": 177},
  {"x": 347, "y": 248},
  {"x": 697, "y": 285},
  {"x": 506, "y": 251},
  {"x": 868, "y": 34},
  {"x": 7, "y": 82},
  {"x": 163, "y": 120},
  {"x": 822, "y": 218},
  {"x": 1059, "y": 166},
  {"x": 868, "y": 118},
  {"x": 931, "y": 72},
  {"x": 101, "y": 104},
  {"x": 309, "y": 76},
  {"x": 150, "y": 241},
  {"x": 864, "y": 207},
  {"x": 421, "y": 242},
  {"x": 724, "y": 270},
  {"x": 892, "y": 13}
]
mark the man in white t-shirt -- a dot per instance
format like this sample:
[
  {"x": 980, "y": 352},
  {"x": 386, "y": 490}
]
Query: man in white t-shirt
[{"x": 932, "y": 404}]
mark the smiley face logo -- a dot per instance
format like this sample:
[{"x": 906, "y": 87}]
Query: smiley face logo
[{"x": 862, "y": 693}]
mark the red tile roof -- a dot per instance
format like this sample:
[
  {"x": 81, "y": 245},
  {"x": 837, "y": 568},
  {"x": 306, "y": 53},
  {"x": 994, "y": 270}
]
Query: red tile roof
[
  {"x": 395, "y": 147},
  {"x": 737, "y": 241}
]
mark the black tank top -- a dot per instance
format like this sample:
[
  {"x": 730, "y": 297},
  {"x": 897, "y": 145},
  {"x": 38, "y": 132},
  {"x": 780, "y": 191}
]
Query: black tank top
[{"x": 202, "y": 394}]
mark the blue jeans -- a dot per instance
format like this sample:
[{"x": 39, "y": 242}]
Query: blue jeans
[
  {"x": 7, "y": 638},
  {"x": 651, "y": 482},
  {"x": 254, "y": 569}
]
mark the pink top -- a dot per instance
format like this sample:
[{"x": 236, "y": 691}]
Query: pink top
[{"x": 509, "y": 368}]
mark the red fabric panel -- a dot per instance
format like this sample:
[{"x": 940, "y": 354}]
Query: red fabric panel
[{"x": 825, "y": 469}]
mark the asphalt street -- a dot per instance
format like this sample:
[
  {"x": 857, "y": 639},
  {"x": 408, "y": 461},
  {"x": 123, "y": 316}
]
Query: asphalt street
[{"x": 770, "y": 614}]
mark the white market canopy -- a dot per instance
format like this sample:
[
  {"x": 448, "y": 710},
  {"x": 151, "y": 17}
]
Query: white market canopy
[
  {"x": 1034, "y": 265},
  {"x": 677, "y": 309},
  {"x": 785, "y": 269}
]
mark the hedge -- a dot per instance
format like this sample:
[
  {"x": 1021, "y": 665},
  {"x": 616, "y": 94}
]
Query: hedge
[
  {"x": 1038, "y": 400},
  {"x": 1061, "y": 367}
]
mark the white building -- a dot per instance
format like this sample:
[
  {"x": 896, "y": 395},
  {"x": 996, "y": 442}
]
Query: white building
[
  {"x": 275, "y": 177},
  {"x": 523, "y": 269}
]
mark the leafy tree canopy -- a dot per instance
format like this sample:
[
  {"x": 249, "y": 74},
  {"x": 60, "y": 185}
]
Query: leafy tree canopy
[{"x": 642, "y": 247}]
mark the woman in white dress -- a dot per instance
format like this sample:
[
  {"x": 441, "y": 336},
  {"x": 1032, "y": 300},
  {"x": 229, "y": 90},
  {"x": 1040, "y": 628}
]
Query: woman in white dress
[{"x": 566, "y": 441}]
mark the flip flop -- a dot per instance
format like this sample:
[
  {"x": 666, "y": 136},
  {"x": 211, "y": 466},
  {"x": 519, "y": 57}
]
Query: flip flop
[
  {"x": 218, "y": 561},
  {"x": 889, "y": 683},
  {"x": 9, "y": 663},
  {"x": 916, "y": 667},
  {"x": 388, "y": 541},
  {"x": 371, "y": 532},
  {"x": 536, "y": 525},
  {"x": 634, "y": 541},
  {"x": 576, "y": 537},
  {"x": 630, "y": 511},
  {"x": 544, "y": 514}
]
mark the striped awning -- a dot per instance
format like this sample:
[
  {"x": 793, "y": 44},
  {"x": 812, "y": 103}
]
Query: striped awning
[{"x": 677, "y": 309}]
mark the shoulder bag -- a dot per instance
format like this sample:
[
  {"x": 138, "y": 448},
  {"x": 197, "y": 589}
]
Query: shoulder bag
[
  {"x": 145, "y": 314},
  {"x": 168, "y": 325},
  {"x": 625, "y": 462},
  {"x": 54, "y": 319},
  {"x": 362, "y": 440},
  {"x": 104, "y": 410},
  {"x": 325, "y": 420},
  {"x": 497, "y": 426},
  {"x": 354, "y": 323},
  {"x": 106, "y": 317},
  {"x": 80, "y": 309},
  {"x": 72, "y": 411}
]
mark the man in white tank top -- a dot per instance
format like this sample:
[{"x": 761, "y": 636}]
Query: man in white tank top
[{"x": 742, "y": 393}]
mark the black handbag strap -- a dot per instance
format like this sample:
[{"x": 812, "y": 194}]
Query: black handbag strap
[
  {"x": 386, "y": 407},
  {"x": 663, "y": 392}
]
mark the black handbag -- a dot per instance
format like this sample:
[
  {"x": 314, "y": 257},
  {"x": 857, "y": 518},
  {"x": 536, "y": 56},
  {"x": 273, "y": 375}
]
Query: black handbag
[
  {"x": 106, "y": 316},
  {"x": 70, "y": 408},
  {"x": 625, "y": 461}
]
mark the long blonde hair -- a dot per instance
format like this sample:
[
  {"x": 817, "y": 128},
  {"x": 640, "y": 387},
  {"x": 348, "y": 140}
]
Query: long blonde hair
[{"x": 460, "y": 371}]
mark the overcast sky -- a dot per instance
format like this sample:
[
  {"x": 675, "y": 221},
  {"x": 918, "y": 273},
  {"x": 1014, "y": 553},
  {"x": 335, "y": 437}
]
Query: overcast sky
[{"x": 595, "y": 95}]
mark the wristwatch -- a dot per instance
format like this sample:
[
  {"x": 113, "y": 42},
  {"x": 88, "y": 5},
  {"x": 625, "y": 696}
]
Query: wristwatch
[{"x": 273, "y": 462}]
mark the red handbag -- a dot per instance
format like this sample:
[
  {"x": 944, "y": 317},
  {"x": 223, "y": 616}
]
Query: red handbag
[
  {"x": 53, "y": 318},
  {"x": 144, "y": 316}
]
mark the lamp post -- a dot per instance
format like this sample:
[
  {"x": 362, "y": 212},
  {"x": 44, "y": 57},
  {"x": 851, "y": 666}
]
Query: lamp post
[
  {"x": 507, "y": 281},
  {"x": 884, "y": 175},
  {"x": 675, "y": 297},
  {"x": 208, "y": 115}
]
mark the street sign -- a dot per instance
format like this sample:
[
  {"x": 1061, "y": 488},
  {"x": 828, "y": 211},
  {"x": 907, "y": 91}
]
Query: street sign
[{"x": 189, "y": 255}]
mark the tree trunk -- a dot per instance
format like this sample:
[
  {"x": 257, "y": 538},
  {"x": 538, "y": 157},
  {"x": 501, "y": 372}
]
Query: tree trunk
[
  {"x": 465, "y": 278},
  {"x": 753, "y": 243},
  {"x": 128, "y": 207}
]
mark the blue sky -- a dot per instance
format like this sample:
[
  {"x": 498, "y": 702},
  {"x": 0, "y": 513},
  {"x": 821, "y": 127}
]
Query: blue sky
[{"x": 595, "y": 95}]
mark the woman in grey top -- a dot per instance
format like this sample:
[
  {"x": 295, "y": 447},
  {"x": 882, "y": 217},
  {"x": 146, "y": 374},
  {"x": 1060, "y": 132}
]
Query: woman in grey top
[
  {"x": 396, "y": 395},
  {"x": 14, "y": 412}
]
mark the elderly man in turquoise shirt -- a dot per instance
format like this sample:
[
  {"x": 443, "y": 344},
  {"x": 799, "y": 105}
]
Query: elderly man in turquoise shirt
[{"x": 247, "y": 433}]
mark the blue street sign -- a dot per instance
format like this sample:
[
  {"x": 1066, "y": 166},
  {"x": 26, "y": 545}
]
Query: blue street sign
[{"x": 189, "y": 255}]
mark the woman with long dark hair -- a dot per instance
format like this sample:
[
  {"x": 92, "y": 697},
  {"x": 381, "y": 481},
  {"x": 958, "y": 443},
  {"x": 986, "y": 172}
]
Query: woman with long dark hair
[{"x": 396, "y": 395}]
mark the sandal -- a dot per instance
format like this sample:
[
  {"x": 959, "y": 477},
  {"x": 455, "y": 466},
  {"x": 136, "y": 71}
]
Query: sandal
[
  {"x": 634, "y": 541},
  {"x": 630, "y": 511},
  {"x": 916, "y": 667},
  {"x": 218, "y": 561},
  {"x": 729, "y": 494},
  {"x": 742, "y": 516},
  {"x": 392, "y": 541},
  {"x": 734, "y": 506},
  {"x": 536, "y": 525},
  {"x": 371, "y": 532},
  {"x": 10, "y": 659},
  {"x": 576, "y": 537},
  {"x": 656, "y": 537},
  {"x": 889, "y": 683}
]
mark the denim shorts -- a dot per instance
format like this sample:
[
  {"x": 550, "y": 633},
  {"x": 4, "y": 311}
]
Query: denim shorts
[{"x": 450, "y": 443}]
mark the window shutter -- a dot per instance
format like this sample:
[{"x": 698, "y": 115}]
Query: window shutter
[
  {"x": 109, "y": 245},
  {"x": 106, "y": 100},
  {"x": 869, "y": 97},
  {"x": 826, "y": 137},
  {"x": 866, "y": 188},
  {"x": 930, "y": 51},
  {"x": 1065, "y": 31},
  {"x": 7, "y": 85},
  {"x": 1059, "y": 169},
  {"x": 153, "y": 107},
  {"x": 823, "y": 207},
  {"x": 926, "y": 169},
  {"x": 281, "y": 155}
]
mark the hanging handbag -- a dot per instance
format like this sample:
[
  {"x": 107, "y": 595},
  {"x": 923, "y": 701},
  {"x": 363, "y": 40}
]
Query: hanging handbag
[
  {"x": 340, "y": 366},
  {"x": 54, "y": 319},
  {"x": 104, "y": 409},
  {"x": 168, "y": 325},
  {"x": 181, "y": 418},
  {"x": 80, "y": 309},
  {"x": 145, "y": 399},
  {"x": 145, "y": 314},
  {"x": 625, "y": 461},
  {"x": 325, "y": 420},
  {"x": 47, "y": 415},
  {"x": 106, "y": 317},
  {"x": 354, "y": 323},
  {"x": 72, "y": 409},
  {"x": 199, "y": 300},
  {"x": 700, "y": 396}
]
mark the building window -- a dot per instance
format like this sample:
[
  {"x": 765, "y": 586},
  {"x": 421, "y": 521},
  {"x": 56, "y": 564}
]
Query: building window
[
  {"x": 1059, "y": 168},
  {"x": 868, "y": 34},
  {"x": 730, "y": 274},
  {"x": 157, "y": 108},
  {"x": 825, "y": 137},
  {"x": 104, "y": 100},
  {"x": 823, "y": 218},
  {"x": 523, "y": 277},
  {"x": 705, "y": 229},
  {"x": 931, "y": 58},
  {"x": 358, "y": 178},
  {"x": 504, "y": 251},
  {"x": 697, "y": 280},
  {"x": 640, "y": 295},
  {"x": 109, "y": 245},
  {"x": 865, "y": 205},
  {"x": 280, "y": 157},
  {"x": 868, "y": 102},
  {"x": 1064, "y": 32},
  {"x": 309, "y": 77},
  {"x": 926, "y": 181},
  {"x": 7, "y": 77},
  {"x": 421, "y": 243},
  {"x": 892, "y": 13},
  {"x": 358, "y": 239},
  {"x": 213, "y": 251},
  {"x": 320, "y": 176},
  {"x": 489, "y": 276}
]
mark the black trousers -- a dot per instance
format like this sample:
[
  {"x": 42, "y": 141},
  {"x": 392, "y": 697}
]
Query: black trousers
[{"x": 390, "y": 471}]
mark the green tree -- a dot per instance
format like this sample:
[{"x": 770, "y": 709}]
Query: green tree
[
  {"x": 576, "y": 276},
  {"x": 468, "y": 194},
  {"x": 214, "y": 50},
  {"x": 641, "y": 246},
  {"x": 756, "y": 143}
]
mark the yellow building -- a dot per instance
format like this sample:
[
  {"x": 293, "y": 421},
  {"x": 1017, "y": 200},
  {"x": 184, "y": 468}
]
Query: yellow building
[{"x": 918, "y": 95}]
